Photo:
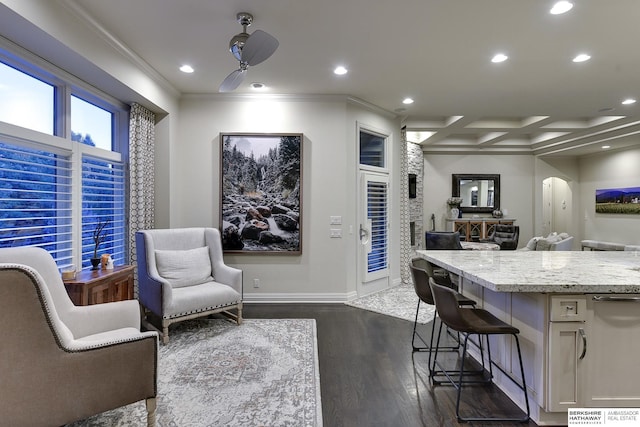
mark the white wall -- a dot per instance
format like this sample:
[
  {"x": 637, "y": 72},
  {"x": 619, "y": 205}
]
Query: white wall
[
  {"x": 516, "y": 186},
  {"x": 611, "y": 170},
  {"x": 326, "y": 269}
]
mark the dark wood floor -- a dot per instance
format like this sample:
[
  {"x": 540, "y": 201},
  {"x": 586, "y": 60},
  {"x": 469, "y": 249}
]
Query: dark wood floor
[{"x": 369, "y": 375}]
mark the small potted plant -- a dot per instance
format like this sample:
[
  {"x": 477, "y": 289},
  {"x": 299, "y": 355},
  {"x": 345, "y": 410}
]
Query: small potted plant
[{"x": 99, "y": 234}]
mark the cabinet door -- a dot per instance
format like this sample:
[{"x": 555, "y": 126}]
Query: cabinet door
[
  {"x": 612, "y": 377},
  {"x": 463, "y": 228},
  {"x": 122, "y": 289},
  {"x": 100, "y": 293},
  {"x": 565, "y": 363}
]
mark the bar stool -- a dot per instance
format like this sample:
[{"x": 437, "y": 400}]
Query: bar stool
[
  {"x": 421, "y": 278},
  {"x": 472, "y": 321}
]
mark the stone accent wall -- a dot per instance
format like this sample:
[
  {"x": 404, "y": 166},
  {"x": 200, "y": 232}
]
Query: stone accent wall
[
  {"x": 411, "y": 210},
  {"x": 415, "y": 161},
  {"x": 405, "y": 236}
]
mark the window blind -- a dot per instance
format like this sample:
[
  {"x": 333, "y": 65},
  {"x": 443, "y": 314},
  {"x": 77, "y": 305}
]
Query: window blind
[
  {"x": 377, "y": 213},
  {"x": 103, "y": 200},
  {"x": 35, "y": 200}
]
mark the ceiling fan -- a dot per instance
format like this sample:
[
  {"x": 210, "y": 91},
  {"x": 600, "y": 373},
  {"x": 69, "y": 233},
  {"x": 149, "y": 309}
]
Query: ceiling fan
[{"x": 249, "y": 49}]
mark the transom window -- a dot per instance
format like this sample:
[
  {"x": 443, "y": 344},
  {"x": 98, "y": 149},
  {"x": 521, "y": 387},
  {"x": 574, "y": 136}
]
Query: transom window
[
  {"x": 372, "y": 149},
  {"x": 26, "y": 101}
]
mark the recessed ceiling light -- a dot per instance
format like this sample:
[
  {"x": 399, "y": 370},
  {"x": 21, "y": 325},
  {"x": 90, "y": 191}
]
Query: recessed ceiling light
[
  {"x": 604, "y": 147},
  {"x": 500, "y": 57},
  {"x": 582, "y": 57},
  {"x": 258, "y": 86},
  {"x": 628, "y": 101},
  {"x": 340, "y": 70},
  {"x": 561, "y": 7},
  {"x": 407, "y": 101},
  {"x": 186, "y": 68}
]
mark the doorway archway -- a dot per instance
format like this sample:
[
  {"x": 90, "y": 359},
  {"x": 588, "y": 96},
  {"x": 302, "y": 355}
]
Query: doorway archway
[{"x": 557, "y": 205}]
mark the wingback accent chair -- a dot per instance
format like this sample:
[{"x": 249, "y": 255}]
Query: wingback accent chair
[
  {"x": 60, "y": 363},
  {"x": 182, "y": 275}
]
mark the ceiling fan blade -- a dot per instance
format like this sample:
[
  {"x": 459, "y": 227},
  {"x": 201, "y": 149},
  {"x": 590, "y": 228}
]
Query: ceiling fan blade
[
  {"x": 258, "y": 47},
  {"x": 233, "y": 80}
]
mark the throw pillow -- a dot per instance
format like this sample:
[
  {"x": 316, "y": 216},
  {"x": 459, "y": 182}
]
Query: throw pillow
[
  {"x": 545, "y": 244},
  {"x": 184, "y": 268},
  {"x": 531, "y": 244}
]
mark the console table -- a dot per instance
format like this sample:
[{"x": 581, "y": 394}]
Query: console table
[
  {"x": 99, "y": 286},
  {"x": 476, "y": 228}
]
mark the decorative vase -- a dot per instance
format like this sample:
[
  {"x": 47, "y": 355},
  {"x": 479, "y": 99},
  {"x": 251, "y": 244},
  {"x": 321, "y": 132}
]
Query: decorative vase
[
  {"x": 95, "y": 262},
  {"x": 454, "y": 213}
]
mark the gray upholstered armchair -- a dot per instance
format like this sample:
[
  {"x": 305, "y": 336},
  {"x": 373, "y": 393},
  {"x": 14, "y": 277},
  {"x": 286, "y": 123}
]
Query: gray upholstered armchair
[
  {"x": 442, "y": 240},
  {"x": 505, "y": 235},
  {"x": 182, "y": 275},
  {"x": 60, "y": 363}
]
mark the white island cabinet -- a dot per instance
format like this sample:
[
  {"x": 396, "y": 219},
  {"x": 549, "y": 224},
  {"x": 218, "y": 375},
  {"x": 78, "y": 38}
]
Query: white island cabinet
[{"x": 579, "y": 319}]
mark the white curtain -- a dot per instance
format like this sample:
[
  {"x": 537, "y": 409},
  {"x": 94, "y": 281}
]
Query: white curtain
[{"x": 141, "y": 175}]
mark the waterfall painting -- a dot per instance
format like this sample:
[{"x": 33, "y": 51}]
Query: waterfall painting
[{"x": 261, "y": 193}]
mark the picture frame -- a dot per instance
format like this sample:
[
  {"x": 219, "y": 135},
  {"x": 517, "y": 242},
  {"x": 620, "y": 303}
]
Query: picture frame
[
  {"x": 619, "y": 200},
  {"x": 261, "y": 193}
]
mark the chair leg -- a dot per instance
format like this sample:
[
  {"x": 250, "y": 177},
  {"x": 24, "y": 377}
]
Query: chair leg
[
  {"x": 449, "y": 372},
  {"x": 415, "y": 325},
  {"x": 151, "y": 411},
  {"x": 522, "y": 386},
  {"x": 165, "y": 332}
]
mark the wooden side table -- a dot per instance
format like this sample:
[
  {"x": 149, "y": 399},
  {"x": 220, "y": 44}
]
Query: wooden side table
[{"x": 99, "y": 286}]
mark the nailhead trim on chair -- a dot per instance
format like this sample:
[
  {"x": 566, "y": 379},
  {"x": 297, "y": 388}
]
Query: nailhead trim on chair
[
  {"x": 35, "y": 279},
  {"x": 174, "y": 316}
]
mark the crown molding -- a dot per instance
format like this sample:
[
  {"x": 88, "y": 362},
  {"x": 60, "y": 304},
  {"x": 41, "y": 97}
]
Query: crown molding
[{"x": 124, "y": 50}]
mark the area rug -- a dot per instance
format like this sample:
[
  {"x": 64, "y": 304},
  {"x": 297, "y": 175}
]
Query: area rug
[
  {"x": 398, "y": 301},
  {"x": 215, "y": 373}
]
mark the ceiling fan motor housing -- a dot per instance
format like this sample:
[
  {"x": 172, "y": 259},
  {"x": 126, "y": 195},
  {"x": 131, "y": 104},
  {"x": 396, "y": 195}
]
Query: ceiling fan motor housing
[{"x": 238, "y": 41}]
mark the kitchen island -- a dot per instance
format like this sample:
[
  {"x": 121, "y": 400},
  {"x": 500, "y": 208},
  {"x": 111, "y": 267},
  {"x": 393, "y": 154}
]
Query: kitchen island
[{"x": 579, "y": 319}]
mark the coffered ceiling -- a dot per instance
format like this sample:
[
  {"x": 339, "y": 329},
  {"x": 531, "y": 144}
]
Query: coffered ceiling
[{"x": 437, "y": 52}]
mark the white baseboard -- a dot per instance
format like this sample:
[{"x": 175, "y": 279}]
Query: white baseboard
[{"x": 297, "y": 298}]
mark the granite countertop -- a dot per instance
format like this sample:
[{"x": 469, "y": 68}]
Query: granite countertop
[{"x": 544, "y": 271}]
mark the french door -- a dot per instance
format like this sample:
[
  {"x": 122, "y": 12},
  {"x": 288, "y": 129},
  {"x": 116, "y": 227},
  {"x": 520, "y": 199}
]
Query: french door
[{"x": 373, "y": 232}]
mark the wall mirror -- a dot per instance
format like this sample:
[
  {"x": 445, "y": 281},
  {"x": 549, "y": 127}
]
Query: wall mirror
[{"x": 480, "y": 193}]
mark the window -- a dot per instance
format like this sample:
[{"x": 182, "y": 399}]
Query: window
[
  {"x": 60, "y": 174},
  {"x": 26, "y": 101},
  {"x": 90, "y": 124},
  {"x": 103, "y": 202},
  {"x": 377, "y": 214},
  {"x": 372, "y": 149},
  {"x": 35, "y": 200}
]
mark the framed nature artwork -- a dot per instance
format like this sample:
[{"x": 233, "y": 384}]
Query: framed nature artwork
[
  {"x": 618, "y": 200},
  {"x": 261, "y": 193}
]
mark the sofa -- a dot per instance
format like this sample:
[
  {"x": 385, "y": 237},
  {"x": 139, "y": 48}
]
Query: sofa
[{"x": 552, "y": 242}]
